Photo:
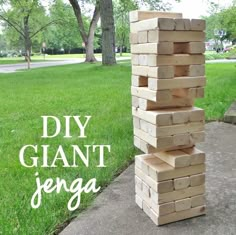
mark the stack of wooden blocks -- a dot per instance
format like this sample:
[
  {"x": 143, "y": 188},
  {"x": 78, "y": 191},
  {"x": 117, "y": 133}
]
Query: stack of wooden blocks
[{"x": 168, "y": 73}]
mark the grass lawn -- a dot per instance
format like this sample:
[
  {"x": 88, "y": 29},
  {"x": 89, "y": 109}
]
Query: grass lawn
[{"x": 103, "y": 93}]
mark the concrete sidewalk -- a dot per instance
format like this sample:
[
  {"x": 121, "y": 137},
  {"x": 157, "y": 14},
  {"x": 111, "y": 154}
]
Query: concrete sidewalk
[
  {"x": 12, "y": 68},
  {"x": 114, "y": 211}
]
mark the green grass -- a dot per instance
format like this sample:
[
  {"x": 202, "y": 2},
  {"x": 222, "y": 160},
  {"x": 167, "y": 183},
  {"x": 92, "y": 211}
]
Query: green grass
[
  {"x": 220, "y": 91},
  {"x": 103, "y": 93}
]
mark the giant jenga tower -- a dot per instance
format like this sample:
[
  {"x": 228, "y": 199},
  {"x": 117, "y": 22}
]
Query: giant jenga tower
[{"x": 168, "y": 73}]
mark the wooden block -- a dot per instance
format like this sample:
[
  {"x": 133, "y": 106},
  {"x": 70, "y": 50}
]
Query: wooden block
[
  {"x": 143, "y": 60},
  {"x": 175, "y": 158},
  {"x": 160, "y": 143},
  {"x": 165, "y": 24},
  {"x": 142, "y": 37},
  {"x": 136, "y": 122},
  {"x": 175, "y": 36},
  {"x": 161, "y": 72},
  {"x": 145, "y": 178},
  {"x": 198, "y": 24},
  {"x": 200, "y": 92},
  {"x": 196, "y": 48},
  {"x": 156, "y": 131},
  {"x": 135, "y": 101},
  {"x": 182, "y": 24},
  {"x": 155, "y": 96},
  {"x": 162, "y": 48},
  {"x": 181, "y": 139},
  {"x": 178, "y": 59},
  {"x": 163, "y": 209},
  {"x": 133, "y": 38},
  {"x": 146, "y": 208},
  {"x": 182, "y": 70},
  {"x": 185, "y": 92},
  {"x": 139, "y": 159},
  {"x": 159, "y": 118},
  {"x": 137, "y": 142},
  {"x": 146, "y": 189},
  {"x": 165, "y": 186},
  {"x": 196, "y": 70},
  {"x": 151, "y": 24},
  {"x": 144, "y": 198},
  {"x": 197, "y": 115},
  {"x": 174, "y": 103},
  {"x": 166, "y": 172},
  {"x": 137, "y": 15},
  {"x": 196, "y": 180},
  {"x": 147, "y": 148},
  {"x": 181, "y": 47},
  {"x": 135, "y": 59},
  {"x": 189, "y": 47},
  {"x": 198, "y": 137},
  {"x": 139, "y": 201},
  {"x": 197, "y": 156},
  {"x": 138, "y": 182},
  {"x": 177, "y": 82},
  {"x": 198, "y": 200},
  {"x": 177, "y": 216},
  {"x": 139, "y": 81},
  {"x": 140, "y": 70},
  {"x": 181, "y": 183},
  {"x": 180, "y": 117},
  {"x": 183, "y": 204},
  {"x": 180, "y": 194}
]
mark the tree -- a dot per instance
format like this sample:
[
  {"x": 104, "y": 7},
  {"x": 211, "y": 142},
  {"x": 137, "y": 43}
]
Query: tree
[
  {"x": 26, "y": 17},
  {"x": 228, "y": 20},
  {"x": 87, "y": 35},
  {"x": 64, "y": 34},
  {"x": 121, "y": 15},
  {"x": 221, "y": 19},
  {"x": 157, "y": 4},
  {"x": 108, "y": 32}
]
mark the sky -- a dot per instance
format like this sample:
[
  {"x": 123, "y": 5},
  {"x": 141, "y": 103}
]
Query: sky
[{"x": 196, "y": 8}]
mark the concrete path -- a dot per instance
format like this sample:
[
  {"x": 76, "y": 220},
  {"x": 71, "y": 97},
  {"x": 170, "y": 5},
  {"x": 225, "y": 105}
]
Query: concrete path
[
  {"x": 115, "y": 213},
  {"x": 230, "y": 115},
  {"x": 222, "y": 61},
  {"x": 12, "y": 68}
]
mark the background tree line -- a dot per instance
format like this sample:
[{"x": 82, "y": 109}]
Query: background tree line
[{"x": 86, "y": 26}]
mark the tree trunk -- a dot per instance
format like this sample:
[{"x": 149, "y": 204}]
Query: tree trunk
[
  {"x": 108, "y": 32},
  {"x": 27, "y": 40},
  {"x": 88, "y": 38},
  {"x": 121, "y": 47},
  {"x": 89, "y": 50}
]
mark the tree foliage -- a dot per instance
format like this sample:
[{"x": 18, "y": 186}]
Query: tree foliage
[
  {"x": 159, "y": 5},
  {"x": 121, "y": 15},
  {"x": 64, "y": 34},
  {"x": 27, "y": 17},
  {"x": 221, "y": 19}
]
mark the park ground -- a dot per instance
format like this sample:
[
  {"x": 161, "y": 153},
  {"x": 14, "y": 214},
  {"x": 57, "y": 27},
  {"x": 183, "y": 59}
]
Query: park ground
[
  {"x": 84, "y": 89},
  {"x": 210, "y": 55}
]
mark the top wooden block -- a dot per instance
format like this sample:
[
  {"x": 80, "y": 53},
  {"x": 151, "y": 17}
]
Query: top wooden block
[{"x": 135, "y": 16}]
